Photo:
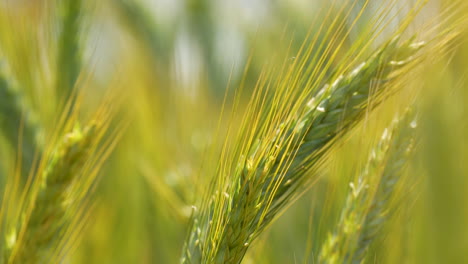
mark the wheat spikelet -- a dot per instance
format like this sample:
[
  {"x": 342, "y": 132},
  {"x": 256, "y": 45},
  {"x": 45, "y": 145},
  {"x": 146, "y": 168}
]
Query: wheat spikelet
[
  {"x": 365, "y": 213},
  {"x": 400, "y": 149},
  {"x": 268, "y": 175},
  {"x": 42, "y": 225}
]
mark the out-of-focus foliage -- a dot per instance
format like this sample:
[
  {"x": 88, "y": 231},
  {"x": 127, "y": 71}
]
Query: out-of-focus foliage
[{"x": 169, "y": 83}]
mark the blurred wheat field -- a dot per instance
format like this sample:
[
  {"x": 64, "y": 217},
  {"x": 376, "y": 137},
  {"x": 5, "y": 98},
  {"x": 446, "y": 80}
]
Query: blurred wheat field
[{"x": 198, "y": 131}]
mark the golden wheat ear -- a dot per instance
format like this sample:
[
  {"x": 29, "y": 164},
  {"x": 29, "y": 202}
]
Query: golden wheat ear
[
  {"x": 285, "y": 139},
  {"x": 273, "y": 168}
]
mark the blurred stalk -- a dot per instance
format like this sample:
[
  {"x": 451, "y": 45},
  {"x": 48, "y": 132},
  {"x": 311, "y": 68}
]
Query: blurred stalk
[
  {"x": 202, "y": 26},
  {"x": 69, "y": 52},
  {"x": 140, "y": 22},
  {"x": 17, "y": 124}
]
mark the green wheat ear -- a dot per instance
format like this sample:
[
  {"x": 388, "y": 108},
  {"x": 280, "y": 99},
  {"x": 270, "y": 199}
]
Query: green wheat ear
[
  {"x": 365, "y": 212},
  {"x": 272, "y": 169},
  {"x": 43, "y": 224}
]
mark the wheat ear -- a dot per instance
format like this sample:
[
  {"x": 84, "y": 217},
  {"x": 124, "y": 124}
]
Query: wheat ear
[
  {"x": 365, "y": 212},
  {"x": 268, "y": 176},
  {"x": 42, "y": 225}
]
